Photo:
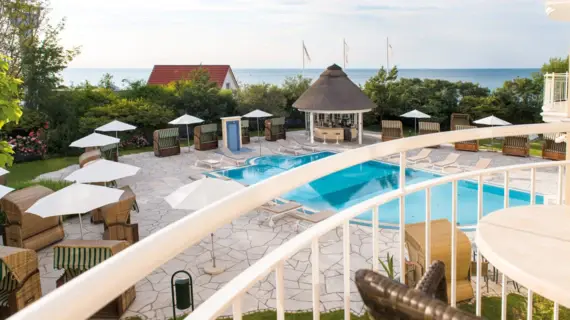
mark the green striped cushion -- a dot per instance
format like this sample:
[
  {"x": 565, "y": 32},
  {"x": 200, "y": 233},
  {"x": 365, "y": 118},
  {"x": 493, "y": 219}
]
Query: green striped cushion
[
  {"x": 168, "y": 133},
  {"x": 79, "y": 258},
  {"x": 7, "y": 281},
  {"x": 4, "y": 296}
]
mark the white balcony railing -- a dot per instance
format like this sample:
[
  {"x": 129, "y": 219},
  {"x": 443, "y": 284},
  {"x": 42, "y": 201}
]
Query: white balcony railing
[
  {"x": 92, "y": 290},
  {"x": 555, "y": 93}
]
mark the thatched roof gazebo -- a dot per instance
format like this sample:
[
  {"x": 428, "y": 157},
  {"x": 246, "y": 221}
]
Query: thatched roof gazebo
[{"x": 338, "y": 104}]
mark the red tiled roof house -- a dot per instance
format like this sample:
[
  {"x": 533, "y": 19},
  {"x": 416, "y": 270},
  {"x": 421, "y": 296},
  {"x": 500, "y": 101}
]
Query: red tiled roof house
[{"x": 222, "y": 75}]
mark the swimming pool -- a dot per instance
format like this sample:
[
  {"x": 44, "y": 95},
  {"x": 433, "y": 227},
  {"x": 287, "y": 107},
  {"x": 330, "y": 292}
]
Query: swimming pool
[{"x": 349, "y": 186}]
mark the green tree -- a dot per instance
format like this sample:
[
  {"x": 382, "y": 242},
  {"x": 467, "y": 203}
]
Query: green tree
[
  {"x": 521, "y": 99},
  {"x": 9, "y": 107},
  {"x": 106, "y": 82},
  {"x": 267, "y": 97},
  {"x": 556, "y": 65},
  {"x": 379, "y": 89},
  {"x": 293, "y": 88}
]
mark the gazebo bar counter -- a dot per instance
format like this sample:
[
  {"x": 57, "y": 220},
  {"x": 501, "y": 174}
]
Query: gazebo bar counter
[{"x": 335, "y": 107}]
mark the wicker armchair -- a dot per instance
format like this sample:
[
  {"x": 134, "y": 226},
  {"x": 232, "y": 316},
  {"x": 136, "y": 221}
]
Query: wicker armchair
[
  {"x": 471, "y": 145},
  {"x": 19, "y": 280},
  {"x": 166, "y": 142},
  {"x": 68, "y": 255},
  {"x": 89, "y": 156},
  {"x": 392, "y": 129},
  {"x": 275, "y": 129},
  {"x": 206, "y": 137},
  {"x": 26, "y": 230},
  {"x": 117, "y": 218},
  {"x": 553, "y": 150},
  {"x": 387, "y": 299}
]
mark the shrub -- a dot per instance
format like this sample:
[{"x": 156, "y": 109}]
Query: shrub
[
  {"x": 136, "y": 141},
  {"x": 31, "y": 145}
]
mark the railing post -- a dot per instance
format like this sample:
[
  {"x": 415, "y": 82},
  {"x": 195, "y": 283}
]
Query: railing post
[
  {"x": 567, "y": 174},
  {"x": 236, "y": 309},
  {"x": 479, "y": 258},
  {"x": 375, "y": 238},
  {"x": 280, "y": 291},
  {"x": 453, "y": 243},
  {"x": 552, "y": 88},
  {"x": 316, "y": 279},
  {"x": 565, "y": 96},
  {"x": 428, "y": 227},
  {"x": 346, "y": 275},
  {"x": 402, "y": 185}
]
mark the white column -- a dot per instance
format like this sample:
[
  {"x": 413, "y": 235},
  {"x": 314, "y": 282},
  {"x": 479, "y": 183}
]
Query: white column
[
  {"x": 312, "y": 126},
  {"x": 360, "y": 128}
]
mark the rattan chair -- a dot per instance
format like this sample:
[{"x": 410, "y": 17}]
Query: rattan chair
[
  {"x": 206, "y": 137},
  {"x": 425, "y": 127},
  {"x": 392, "y": 129},
  {"x": 68, "y": 255},
  {"x": 440, "y": 250},
  {"x": 275, "y": 129},
  {"x": 117, "y": 218},
  {"x": 166, "y": 142},
  {"x": 553, "y": 150},
  {"x": 516, "y": 146},
  {"x": 26, "y": 230},
  {"x": 471, "y": 145},
  {"x": 459, "y": 119},
  {"x": 89, "y": 156},
  {"x": 19, "y": 279},
  {"x": 386, "y": 299}
]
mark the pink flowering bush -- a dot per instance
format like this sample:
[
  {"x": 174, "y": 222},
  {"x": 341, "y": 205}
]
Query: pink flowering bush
[
  {"x": 136, "y": 141},
  {"x": 29, "y": 145}
]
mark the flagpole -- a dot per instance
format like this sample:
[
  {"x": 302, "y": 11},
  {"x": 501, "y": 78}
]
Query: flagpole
[
  {"x": 343, "y": 53},
  {"x": 387, "y": 54},
  {"x": 303, "y": 53}
]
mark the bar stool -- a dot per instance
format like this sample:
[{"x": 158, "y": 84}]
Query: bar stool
[
  {"x": 337, "y": 136},
  {"x": 325, "y": 137}
]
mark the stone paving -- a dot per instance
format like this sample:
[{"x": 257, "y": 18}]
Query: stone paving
[{"x": 243, "y": 242}]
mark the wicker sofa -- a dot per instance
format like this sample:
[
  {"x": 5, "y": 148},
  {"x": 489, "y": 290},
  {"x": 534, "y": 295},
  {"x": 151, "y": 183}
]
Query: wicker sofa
[
  {"x": 245, "y": 139},
  {"x": 206, "y": 137},
  {"x": 553, "y": 150},
  {"x": 516, "y": 146},
  {"x": 391, "y": 130},
  {"x": 67, "y": 256},
  {"x": 166, "y": 142},
  {"x": 275, "y": 129},
  {"x": 471, "y": 145},
  {"x": 117, "y": 219},
  {"x": 26, "y": 230},
  {"x": 19, "y": 280}
]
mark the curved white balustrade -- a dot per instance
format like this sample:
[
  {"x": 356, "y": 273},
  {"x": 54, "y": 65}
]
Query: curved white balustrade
[{"x": 92, "y": 290}]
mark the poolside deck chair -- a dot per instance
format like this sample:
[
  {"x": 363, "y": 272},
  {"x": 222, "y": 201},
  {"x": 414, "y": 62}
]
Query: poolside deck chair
[
  {"x": 551, "y": 149},
  {"x": 117, "y": 217},
  {"x": 312, "y": 218},
  {"x": 239, "y": 160},
  {"x": 204, "y": 159},
  {"x": 109, "y": 152},
  {"x": 481, "y": 164},
  {"x": 20, "y": 282},
  {"x": 516, "y": 146},
  {"x": 471, "y": 145},
  {"x": 306, "y": 147},
  {"x": 423, "y": 155},
  {"x": 166, "y": 142},
  {"x": 460, "y": 119},
  {"x": 280, "y": 210},
  {"x": 385, "y": 298},
  {"x": 392, "y": 129},
  {"x": 426, "y": 127},
  {"x": 275, "y": 129},
  {"x": 89, "y": 156},
  {"x": 288, "y": 148},
  {"x": 449, "y": 161},
  {"x": 440, "y": 250},
  {"x": 26, "y": 230},
  {"x": 69, "y": 256}
]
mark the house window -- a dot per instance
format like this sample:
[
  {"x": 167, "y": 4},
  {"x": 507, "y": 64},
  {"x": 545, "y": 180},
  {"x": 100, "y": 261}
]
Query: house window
[{"x": 227, "y": 85}]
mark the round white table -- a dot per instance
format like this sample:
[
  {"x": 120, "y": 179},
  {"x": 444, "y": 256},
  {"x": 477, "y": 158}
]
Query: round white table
[{"x": 530, "y": 245}]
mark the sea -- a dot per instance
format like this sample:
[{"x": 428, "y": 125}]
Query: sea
[{"x": 490, "y": 78}]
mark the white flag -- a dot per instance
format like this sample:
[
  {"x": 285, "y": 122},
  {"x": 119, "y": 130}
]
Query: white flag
[
  {"x": 306, "y": 52},
  {"x": 390, "y": 51},
  {"x": 345, "y": 52}
]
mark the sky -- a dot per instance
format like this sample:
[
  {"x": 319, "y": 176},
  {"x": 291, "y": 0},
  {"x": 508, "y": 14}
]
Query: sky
[{"x": 269, "y": 33}]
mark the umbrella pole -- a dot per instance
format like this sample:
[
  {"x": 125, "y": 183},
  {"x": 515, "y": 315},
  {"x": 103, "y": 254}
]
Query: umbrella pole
[
  {"x": 187, "y": 138},
  {"x": 117, "y": 136},
  {"x": 258, "y": 136},
  {"x": 213, "y": 254},
  {"x": 80, "y": 226},
  {"x": 213, "y": 269}
]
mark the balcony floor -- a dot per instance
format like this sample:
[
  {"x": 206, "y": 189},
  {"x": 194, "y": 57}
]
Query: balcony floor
[{"x": 241, "y": 243}]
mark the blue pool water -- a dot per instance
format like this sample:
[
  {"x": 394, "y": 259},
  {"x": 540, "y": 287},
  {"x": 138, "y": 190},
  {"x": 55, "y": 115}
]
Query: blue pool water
[{"x": 347, "y": 187}]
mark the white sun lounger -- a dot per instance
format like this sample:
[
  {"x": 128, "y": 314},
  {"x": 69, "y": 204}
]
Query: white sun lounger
[
  {"x": 228, "y": 154},
  {"x": 423, "y": 155},
  {"x": 202, "y": 158},
  {"x": 306, "y": 147},
  {"x": 289, "y": 148},
  {"x": 312, "y": 218},
  {"x": 280, "y": 210},
  {"x": 450, "y": 160}
]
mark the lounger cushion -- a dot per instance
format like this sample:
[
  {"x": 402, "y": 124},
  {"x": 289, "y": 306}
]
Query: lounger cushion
[
  {"x": 317, "y": 216},
  {"x": 289, "y": 206}
]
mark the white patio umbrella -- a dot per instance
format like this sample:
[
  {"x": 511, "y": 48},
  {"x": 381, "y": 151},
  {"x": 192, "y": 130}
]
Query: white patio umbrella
[
  {"x": 258, "y": 114},
  {"x": 75, "y": 199},
  {"x": 3, "y": 171},
  {"x": 102, "y": 171},
  {"x": 416, "y": 114},
  {"x": 492, "y": 121},
  {"x": 116, "y": 126},
  {"x": 4, "y": 191},
  {"x": 187, "y": 120},
  {"x": 199, "y": 194},
  {"x": 94, "y": 140}
]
